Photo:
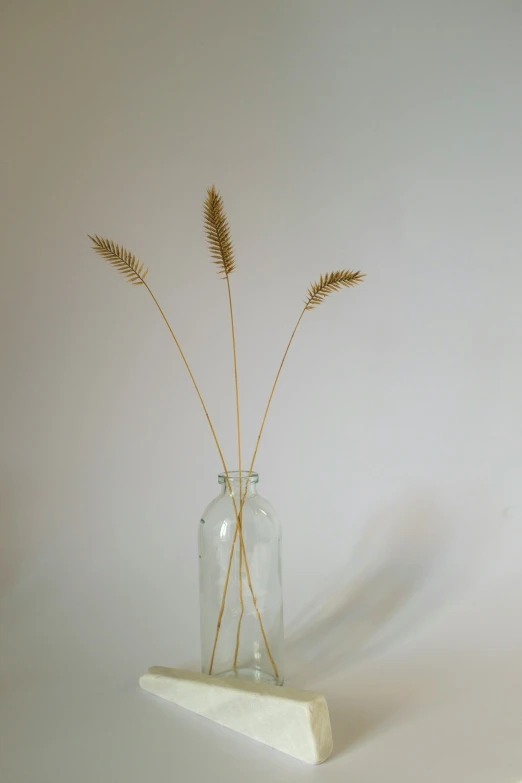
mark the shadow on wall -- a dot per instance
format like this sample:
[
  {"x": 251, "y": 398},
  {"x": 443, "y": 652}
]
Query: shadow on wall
[{"x": 396, "y": 578}]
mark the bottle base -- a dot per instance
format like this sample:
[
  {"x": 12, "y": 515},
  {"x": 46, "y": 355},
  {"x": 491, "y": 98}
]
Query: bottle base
[{"x": 252, "y": 675}]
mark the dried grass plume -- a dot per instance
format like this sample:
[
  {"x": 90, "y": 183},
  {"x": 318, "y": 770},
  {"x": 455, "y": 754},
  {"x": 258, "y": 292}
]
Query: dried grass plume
[
  {"x": 121, "y": 259},
  {"x": 218, "y": 233},
  {"x": 327, "y": 284}
]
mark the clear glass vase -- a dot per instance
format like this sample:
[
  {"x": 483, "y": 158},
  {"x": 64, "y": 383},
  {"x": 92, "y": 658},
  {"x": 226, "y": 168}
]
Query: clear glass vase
[{"x": 241, "y": 600}]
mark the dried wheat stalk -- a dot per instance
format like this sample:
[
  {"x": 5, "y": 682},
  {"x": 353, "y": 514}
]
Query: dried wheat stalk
[
  {"x": 316, "y": 294},
  {"x": 134, "y": 271},
  {"x": 222, "y": 251},
  {"x": 130, "y": 267}
]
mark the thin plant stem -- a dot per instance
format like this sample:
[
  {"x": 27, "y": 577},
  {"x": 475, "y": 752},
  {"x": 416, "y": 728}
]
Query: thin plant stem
[
  {"x": 185, "y": 362},
  {"x": 225, "y": 469},
  {"x": 254, "y": 455},
  {"x": 242, "y": 605},
  {"x": 238, "y": 422},
  {"x": 238, "y": 416},
  {"x": 225, "y": 588},
  {"x": 241, "y": 505},
  {"x": 247, "y": 571},
  {"x": 317, "y": 292},
  {"x": 222, "y": 252}
]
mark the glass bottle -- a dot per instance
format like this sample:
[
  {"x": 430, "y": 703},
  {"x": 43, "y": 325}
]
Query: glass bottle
[{"x": 241, "y": 600}]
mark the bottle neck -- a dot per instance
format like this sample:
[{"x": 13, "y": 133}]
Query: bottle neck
[{"x": 238, "y": 484}]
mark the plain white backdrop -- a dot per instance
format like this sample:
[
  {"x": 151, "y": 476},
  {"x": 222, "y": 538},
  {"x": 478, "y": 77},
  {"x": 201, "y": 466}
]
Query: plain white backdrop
[{"x": 382, "y": 136}]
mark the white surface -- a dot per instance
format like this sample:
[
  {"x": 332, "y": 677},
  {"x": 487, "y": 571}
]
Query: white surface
[
  {"x": 291, "y": 720},
  {"x": 380, "y": 135}
]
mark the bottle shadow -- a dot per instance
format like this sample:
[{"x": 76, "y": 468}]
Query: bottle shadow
[{"x": 396, "y": 580}]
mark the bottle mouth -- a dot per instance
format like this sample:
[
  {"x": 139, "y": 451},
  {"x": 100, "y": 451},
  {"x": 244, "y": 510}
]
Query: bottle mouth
[{"x": 238, "y": 475}]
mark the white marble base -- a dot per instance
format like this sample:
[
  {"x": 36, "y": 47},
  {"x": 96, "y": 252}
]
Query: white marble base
[{"x": 290, "y": 720}]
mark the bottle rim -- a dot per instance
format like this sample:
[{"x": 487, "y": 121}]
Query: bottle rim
[{"x": 236, "y": 475}]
